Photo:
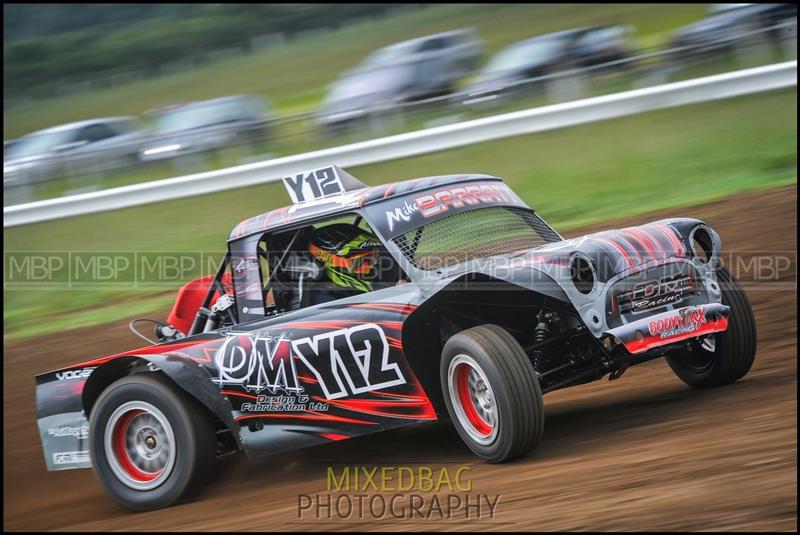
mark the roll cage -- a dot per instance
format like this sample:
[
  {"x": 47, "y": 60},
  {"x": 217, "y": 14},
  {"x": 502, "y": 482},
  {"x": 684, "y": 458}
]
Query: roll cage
[
  {"x": 251, "y": 286},
  {"x": 390, "y": 210}
]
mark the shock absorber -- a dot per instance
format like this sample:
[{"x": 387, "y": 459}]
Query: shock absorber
[{"x": 540, "y": 333}]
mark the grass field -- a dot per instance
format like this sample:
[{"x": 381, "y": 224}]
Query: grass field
[
  {"x": 293, "y": 78},
  {"x": 573, "y": 176}
]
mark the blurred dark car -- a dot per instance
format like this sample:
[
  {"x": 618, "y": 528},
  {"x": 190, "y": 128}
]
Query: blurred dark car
[
  {"x": 206, "y": 126},
  {"x": 412, "y": 70},
  {"x": 90, "y": 146},
  {"x": 506, "y": 73},
  {"x": 722, "y": 30}
]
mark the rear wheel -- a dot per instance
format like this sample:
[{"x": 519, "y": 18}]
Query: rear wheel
[
  {"x": 723, "y": 357},
  {"x": 492, "y": 393},
  {"x": 151, "y": 445}
]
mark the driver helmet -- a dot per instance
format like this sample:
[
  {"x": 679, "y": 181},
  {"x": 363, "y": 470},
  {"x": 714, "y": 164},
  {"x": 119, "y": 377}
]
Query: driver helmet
[{"x": 349, "y": 254}]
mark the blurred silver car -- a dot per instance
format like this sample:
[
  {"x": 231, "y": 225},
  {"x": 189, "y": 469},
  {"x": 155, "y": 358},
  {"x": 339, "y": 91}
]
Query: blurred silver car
[
  {"x": 509, "y": 71},
  {"x": 729, "y": 26},
  {"x": 8, "y": 143},
  {"x": 206, "y": 126},
  {"x": 419, "y": 68},
  {"x": 84, "y": 147}
]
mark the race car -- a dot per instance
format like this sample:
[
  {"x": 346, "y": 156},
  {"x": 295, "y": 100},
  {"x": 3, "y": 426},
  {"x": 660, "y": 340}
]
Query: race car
[{"x": 461, "y": 303}]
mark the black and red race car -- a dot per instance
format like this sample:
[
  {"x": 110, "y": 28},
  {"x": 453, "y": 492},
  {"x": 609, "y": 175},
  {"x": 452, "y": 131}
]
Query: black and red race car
[{"x": 491, "y": 308}]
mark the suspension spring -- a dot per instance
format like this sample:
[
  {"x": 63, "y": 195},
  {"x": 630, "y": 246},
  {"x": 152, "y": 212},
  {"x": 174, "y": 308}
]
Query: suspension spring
[{"x": 540, "y": 333}]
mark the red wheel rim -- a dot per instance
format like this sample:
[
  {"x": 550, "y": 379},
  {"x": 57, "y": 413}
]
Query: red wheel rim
[
  {"x": 140, "y": 445},
  {"x": 483, "y": 427},
  {"x": 121, "y": 449},
  {"x": 472, "y": 400}
]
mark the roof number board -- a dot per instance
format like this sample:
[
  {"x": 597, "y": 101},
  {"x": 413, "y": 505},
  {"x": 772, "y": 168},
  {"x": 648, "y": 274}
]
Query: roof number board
[{"x": 314, "y": 185}]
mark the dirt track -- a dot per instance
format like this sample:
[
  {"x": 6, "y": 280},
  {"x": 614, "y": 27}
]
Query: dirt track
[{"x": 642, "y": 453}]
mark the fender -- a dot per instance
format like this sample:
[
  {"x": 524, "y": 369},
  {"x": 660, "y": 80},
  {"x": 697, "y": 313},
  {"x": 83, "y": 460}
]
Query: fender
[
  {"x": 65, "y": 398},
  {"x": 189, "y": 376},
  {"x": 423, "y": 334}
]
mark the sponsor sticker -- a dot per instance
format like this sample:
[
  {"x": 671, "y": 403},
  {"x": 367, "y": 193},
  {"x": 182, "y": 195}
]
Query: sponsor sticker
[
  {"x": 299, "y": 403},
  {"x": 685, "y": 321},
  {"x": 256, "y": 363},
  {"x": 655, "y": 293},
  {"x": 71, "y": 457},
  {"x": 67, "y": 431},
  {"x": 81, "y": 373}
]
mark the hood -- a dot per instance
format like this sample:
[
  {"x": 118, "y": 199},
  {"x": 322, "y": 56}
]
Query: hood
[
  {"x": 615, "y": 252},
  {"x": 583, "y": 271},
  {"x": 610, "y": 253}
]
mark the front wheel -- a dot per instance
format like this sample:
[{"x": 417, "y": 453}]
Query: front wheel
[
  {"x": 151, "y": 445},
  {"x": 723, "y": 357},
  {"x": 492, "y": 393}
]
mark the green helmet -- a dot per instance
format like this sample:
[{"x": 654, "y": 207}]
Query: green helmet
[{"x": 348, "y": 253}]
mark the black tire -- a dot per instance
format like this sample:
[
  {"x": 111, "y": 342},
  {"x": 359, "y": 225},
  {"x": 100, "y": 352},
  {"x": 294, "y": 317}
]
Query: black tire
[
  {"x": 735, "y": 348},
  {"x": 517, "y": 424},
  {"x": 194, "y": 442}
]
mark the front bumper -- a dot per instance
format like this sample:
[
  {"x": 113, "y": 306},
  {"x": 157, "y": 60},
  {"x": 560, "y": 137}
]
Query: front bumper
[{"x": 672, "y": 326}]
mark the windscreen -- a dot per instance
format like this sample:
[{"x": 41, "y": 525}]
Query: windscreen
[{"x": 474, "y": 234}]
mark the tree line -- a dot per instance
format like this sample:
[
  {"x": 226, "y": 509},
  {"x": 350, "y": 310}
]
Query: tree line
[{"x": 50, "y": 44}]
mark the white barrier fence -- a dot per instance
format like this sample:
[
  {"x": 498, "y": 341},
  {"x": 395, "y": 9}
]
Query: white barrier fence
[{"x": 529, "y": 121}]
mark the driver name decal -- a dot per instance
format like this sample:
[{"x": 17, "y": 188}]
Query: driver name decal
[
  {"x": 434, "y": 203},
  {"x": 350, "y": 361},
  {"x": 403, "y": 212}
]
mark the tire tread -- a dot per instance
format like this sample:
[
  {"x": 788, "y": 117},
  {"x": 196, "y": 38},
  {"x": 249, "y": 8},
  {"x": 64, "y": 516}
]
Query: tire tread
[{"x": 518, "y": 377}]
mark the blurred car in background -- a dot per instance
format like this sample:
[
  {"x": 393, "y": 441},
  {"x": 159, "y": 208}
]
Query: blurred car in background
[
  {"x": 507, "y": 72},
  {"x": 723, "y": 29},
  {"x": 83, "y": 147},
  {"x": 411, "y": 70},
  {"x": 205, "y": 126},
  {"x": 603, "y": 44},
  {"x": 7, "y": 144}
]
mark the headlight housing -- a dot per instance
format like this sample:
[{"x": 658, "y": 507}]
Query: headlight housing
[
  {"x": 582, "y": 273},
  {"x": 702, "y": 243}
]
